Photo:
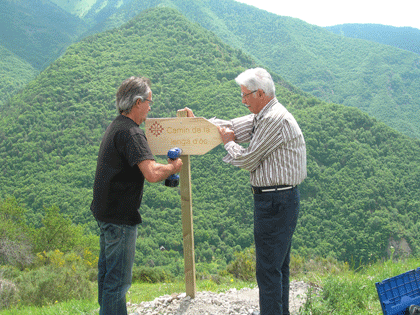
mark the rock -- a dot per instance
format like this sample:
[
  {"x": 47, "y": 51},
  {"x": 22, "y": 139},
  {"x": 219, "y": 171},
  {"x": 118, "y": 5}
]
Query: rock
[{"x": 234, "y": 302}]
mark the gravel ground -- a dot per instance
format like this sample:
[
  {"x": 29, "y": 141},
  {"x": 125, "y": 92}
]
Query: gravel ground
[{"x": 234, "y": 302}]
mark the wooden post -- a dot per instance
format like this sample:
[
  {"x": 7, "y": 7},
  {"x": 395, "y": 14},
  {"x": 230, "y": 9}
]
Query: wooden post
[
  {"x": 195, "y": 136},
  {"x": 187, "y": 223}
]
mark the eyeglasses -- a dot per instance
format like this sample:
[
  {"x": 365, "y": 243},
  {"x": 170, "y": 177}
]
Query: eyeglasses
[
  {"x": 150, "y": 101},
  {"x": 144, "y": 99},
  {"x": 244, "y": 95}
]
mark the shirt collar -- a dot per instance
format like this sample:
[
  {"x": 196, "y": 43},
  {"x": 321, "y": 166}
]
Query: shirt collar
[
  {"x": 124, "y": 117},
  {"x": 266, "y": 108}
]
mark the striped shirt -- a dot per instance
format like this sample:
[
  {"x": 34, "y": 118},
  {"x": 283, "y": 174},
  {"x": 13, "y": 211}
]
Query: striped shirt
[{"x": 276, "y": 154}]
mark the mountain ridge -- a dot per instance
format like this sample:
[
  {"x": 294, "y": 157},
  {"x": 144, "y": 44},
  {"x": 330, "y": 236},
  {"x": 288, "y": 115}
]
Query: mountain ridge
[
  {"x": 330, "y": 67},
  {"x": 380, "y": 80},
  {"x": 16, "y": 73},
  {"x": 37, "y": 31},
  {"x": 360, "y": 196},
  {"x": 407, "y": 38}
]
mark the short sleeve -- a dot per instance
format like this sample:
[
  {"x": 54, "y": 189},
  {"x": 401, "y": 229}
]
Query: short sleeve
[{"x": 134, "y": 146}]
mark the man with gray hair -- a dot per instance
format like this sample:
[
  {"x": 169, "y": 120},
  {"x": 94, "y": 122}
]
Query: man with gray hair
[
  {"x": 124, "y": 162},
  {"x": 276, "y": 160}
]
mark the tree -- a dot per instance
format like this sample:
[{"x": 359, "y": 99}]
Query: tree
[
  {"x": 59, "y": 233},
  {"x": 15, "y": 243}
]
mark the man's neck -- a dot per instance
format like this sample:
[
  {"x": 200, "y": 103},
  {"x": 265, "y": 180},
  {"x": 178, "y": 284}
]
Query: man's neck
[
  {"x": 131, "y": 116},
  {"x": 264, "y": 101}
]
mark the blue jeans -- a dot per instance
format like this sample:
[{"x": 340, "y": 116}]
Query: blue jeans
[
  {"x": 275, "y": 218},
  {"x": 115, "y": 266}
]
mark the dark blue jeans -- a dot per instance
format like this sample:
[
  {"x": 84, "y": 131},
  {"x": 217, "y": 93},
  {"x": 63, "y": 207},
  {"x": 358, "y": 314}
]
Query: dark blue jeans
[
  {"x": 275, "y": 218},
  {"x": 115, "y": 266}
]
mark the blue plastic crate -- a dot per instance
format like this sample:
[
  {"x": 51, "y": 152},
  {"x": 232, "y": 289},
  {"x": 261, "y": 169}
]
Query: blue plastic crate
[{"x": 396, "y": 294}]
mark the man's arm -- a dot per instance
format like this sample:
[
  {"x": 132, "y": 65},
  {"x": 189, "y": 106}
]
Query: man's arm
[
  {"x": 241, "y": 126},
  {"x": 156, "y": 172},
  {"x": 267, "y": 138}
]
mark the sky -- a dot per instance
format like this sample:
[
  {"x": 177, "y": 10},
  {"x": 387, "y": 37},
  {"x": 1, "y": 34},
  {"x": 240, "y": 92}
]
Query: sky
[{"x": 333, "y": 12}]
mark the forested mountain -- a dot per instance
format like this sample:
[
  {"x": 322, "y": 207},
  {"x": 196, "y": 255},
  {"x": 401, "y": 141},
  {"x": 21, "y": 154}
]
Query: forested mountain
[
  {"x": 15, "y": 74},
  {"x": 407, "y": 38},
  {"x": 33, "y": 34},
  {"x": 381, "y": 80},
  {"x": 37, "y": 31},
  {"x": 92, "y": 12},
  {"x": 360, "y": 197}
]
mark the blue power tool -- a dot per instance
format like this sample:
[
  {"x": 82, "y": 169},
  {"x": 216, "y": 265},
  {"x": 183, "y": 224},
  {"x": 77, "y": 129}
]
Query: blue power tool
[{"x": 173, "y": 180}]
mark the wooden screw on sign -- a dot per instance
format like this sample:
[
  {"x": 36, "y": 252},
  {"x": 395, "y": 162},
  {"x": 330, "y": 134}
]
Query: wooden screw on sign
[{"x": 195, "y": 136}]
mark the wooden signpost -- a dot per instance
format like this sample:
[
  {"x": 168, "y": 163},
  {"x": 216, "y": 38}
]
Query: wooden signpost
[{"x": 195, "y": 136}]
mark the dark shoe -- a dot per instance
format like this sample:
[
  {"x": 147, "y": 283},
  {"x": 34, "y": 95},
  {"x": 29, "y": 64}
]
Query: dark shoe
[{"x": 413, "y": 310}]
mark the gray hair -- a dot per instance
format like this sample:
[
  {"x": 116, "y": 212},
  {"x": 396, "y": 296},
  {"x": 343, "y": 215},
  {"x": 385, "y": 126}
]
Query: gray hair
[
  {"x": 257, "y": 78},
  {"x": 130, "y": 91}
]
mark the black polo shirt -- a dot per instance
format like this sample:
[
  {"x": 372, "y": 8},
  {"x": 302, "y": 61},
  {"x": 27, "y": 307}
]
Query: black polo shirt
[{"x": 118, "y": 186}]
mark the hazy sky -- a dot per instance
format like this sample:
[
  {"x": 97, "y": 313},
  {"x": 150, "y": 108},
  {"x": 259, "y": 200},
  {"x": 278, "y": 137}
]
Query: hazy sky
[{"x": 333, "y": 12}]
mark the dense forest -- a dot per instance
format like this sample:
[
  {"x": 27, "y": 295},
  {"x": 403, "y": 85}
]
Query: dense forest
[
  {"x": 406, "y": 38},
  {"x": 16, "y": 73},
  {"x": 37, "y": 31},
  {"x": 34, "y": 34},
  {"x": 379, "y": 79},
  {"x": 361, "y": 195}
]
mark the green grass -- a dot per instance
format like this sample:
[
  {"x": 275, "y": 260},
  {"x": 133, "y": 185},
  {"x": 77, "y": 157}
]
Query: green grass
[
  {"x": 344, "y": 291},
  {"x": 138, "y": 292},
  {"x": 352, "y": 291},
  {"x": 63, "y": 308}
]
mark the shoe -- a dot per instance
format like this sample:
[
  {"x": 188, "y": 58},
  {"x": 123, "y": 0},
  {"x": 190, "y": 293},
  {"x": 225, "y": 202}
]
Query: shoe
[{"x": 413, "y": 310}]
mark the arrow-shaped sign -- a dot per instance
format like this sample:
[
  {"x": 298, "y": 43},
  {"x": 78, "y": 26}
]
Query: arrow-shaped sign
[{"x": 195, "y": 136}]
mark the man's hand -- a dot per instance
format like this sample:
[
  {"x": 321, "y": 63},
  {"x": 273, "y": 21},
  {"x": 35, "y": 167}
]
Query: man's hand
[
  {"x": 177, "y": 164},
  {"x": 226, "y": 134},
  {"x": 188, "y": 110}
]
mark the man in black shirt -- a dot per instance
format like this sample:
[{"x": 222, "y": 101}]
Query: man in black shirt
[{"x": 124, "y": 161}]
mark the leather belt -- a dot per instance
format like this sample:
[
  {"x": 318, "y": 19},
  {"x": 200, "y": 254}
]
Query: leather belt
[{"x": 260, "y": 190}]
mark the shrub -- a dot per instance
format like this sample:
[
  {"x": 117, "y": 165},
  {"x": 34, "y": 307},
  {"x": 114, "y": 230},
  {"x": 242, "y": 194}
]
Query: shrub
[
  {"x": 15, "y": 243},
  {"x": 16, "y": 253},
  {"x": 55, "y": 277},
  {"x": 243, "y": 265},
  {"x": 8, "y": 293},
  {"x": 51, "y": 284},
  {"x": 58, "y": 232},
  {"x": 151, "y": 274}
]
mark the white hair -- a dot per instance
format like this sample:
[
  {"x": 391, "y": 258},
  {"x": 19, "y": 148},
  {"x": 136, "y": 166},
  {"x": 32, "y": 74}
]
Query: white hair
[
  {"x": 130, "y": 91},
  {"x": 257, "y": 78}
]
